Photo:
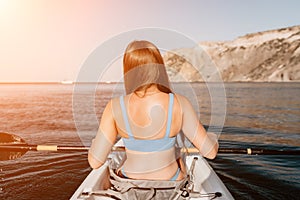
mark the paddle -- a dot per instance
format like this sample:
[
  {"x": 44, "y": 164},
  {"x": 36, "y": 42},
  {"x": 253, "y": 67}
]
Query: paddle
[{"x": 13, "y": 147}]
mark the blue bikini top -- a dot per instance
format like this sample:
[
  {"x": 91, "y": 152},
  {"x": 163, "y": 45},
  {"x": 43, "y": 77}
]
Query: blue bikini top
[{"x": 149, "y": 145}]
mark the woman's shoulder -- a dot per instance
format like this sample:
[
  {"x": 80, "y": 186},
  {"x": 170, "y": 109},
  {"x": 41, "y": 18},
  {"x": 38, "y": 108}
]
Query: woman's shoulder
[
  {"x": 184, "y": 103},
  {"x": 115, "y": 101},
  {"x": 181, "y": 98}
]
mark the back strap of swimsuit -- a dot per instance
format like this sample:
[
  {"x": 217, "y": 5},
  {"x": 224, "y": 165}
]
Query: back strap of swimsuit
[{"x": 170, "y": 113}]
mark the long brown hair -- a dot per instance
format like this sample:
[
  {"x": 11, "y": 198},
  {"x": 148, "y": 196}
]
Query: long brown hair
[{"x": 143, "y": 66}]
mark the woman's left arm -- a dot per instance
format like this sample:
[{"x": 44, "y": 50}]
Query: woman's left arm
[{"x": 104, "y": 140}]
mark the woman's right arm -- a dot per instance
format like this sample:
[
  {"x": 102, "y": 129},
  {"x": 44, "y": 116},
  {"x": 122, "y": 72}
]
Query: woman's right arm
[
  {"x": 104, "y": 140},
  {"x": 205, "y": 142}
]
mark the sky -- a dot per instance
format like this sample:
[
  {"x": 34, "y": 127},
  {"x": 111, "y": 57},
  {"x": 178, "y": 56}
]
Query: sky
[{"x": 50, "y": 40}]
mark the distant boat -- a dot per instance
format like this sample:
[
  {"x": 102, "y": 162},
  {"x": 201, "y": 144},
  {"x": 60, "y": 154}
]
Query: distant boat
[{"x": 66, "y": 82}]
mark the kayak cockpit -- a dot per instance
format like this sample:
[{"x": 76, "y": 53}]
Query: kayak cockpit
[{"x": 201, "y": 183}]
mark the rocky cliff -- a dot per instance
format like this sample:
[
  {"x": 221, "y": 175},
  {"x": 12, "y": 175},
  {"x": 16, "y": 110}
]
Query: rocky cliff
[{"x": 264, "y": 56}]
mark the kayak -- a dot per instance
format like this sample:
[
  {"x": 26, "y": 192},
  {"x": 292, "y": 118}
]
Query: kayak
[{"x": 201, "y": 183}]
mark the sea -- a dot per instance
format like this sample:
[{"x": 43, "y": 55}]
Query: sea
[{"x": 256, "y": 115}]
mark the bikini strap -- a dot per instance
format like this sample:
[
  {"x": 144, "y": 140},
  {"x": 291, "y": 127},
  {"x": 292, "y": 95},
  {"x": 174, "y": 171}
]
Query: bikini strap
[
  {"x": 125, "y": 117},
  {"x": 170, "y": 113}
]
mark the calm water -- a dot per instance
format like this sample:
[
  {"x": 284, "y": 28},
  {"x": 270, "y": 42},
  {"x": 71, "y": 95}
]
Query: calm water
[{"x": 263, "y": 115}]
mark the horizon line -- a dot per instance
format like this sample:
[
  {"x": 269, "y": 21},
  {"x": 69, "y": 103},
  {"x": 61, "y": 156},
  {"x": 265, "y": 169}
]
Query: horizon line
[{"x": 116, "y": 82}]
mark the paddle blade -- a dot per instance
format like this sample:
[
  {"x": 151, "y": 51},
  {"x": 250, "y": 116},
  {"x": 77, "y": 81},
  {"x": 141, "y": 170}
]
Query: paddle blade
[
  {"x": 7, "y": 139},
  {"x": 6, "y": 154},
  {"x": 6, "y": 142}
]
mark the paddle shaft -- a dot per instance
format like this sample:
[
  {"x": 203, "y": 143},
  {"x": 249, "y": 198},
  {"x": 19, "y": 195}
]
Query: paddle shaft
[
  {"x": 28, "y": 147},
  {"x": 249, "y": 151}
]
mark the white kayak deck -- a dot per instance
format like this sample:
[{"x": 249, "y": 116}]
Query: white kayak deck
[{"x": 206, "y": 181}]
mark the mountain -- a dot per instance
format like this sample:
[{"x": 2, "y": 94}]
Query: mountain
[{"x": 264, "y": 56}]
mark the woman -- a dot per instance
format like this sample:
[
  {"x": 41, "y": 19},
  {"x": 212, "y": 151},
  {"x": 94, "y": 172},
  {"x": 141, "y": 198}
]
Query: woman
[{"x": 148, "y": 119}]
